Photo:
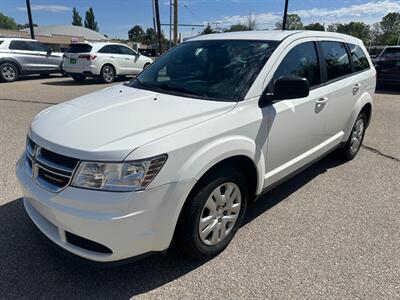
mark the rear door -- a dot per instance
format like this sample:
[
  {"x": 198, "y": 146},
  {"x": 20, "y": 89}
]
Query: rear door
[
  {"x": 345, "y": 85},
  {"x": 27, "y": 58},
  {"x": 112, "y": 54},
  {"x": 297, "y": 132}
]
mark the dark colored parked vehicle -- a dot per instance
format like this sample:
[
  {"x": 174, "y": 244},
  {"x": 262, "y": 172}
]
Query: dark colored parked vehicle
[{"x": 387, "y": 65}]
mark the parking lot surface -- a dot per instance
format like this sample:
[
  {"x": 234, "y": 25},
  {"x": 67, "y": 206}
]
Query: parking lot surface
[{"x": 332, "y": 231}]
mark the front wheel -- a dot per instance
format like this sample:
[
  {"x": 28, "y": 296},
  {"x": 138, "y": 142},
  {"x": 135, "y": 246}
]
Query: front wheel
[
  {"x": 107, "y": 74},
  {"x": 213, "y": 214},
  {"x": 353, "y": 144}
]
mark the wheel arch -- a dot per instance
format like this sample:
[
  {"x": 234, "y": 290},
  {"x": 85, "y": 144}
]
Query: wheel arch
[
  {"x": 365, "y": 104},
  {"x": 110, "y": 64},
  {"x": 12, "y": 61}
]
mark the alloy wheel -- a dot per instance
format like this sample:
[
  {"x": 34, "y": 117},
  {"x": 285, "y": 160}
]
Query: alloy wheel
[
  {"x": 8, "y": 72},
  {"x": 108, "y": 74}
]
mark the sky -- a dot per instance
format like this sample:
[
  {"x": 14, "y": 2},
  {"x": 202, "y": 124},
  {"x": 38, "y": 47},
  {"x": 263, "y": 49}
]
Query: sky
[{"x": 116, "y": 17}]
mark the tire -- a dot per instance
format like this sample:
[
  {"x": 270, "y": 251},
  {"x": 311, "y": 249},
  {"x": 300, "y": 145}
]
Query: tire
[
  {"x": 78, "y": 77},
  {"x": 8, "y": 72},
  {"x": 353, "y": 144},
  {"x": 107, "y": 74},
  {"x": 188, "y": 233}
]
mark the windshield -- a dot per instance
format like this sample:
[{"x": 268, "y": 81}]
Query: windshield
[{"x": 221, "y": 70}]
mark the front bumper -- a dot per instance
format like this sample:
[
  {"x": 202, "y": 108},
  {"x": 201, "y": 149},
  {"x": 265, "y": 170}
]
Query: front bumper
[{"x": 129, "y": 224}]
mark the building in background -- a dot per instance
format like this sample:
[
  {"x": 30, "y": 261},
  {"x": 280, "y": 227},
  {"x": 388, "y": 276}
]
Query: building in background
[{"x": 58, "y": 37}]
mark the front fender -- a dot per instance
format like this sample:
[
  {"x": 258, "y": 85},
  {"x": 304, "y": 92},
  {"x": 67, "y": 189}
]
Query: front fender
[{"x": 216, "y": 151}]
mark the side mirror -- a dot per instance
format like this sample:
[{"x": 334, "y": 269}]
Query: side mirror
[
  {"x": 49, "y": 51},
  {"x": 291, "y": 87}
]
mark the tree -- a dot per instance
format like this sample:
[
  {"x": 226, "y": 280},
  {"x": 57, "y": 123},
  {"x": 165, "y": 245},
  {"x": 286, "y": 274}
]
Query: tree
[
  {"x": 315, "y": 26},
  {"x": 90, "y": 21},
  {"x": 293, "y": 22},
  {"x": 237, "y": 27},
  {"x": 387, "y": 31},
  {"x": 357, "y": 29},
  {"x": 251, "y": 22},
  {"x": 7, "y": 22},
  {"x": 136, "y": 34},
  {"x": 208, "y": 30},
  {"x": 26, "y": 25},
  {"x": 76, "y": 18}
]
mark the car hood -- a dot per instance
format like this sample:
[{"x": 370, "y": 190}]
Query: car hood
[{"x": 110, "y": 123}]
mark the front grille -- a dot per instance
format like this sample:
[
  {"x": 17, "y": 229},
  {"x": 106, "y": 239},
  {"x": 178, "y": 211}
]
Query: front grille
[{"x": 50, "y": 170}]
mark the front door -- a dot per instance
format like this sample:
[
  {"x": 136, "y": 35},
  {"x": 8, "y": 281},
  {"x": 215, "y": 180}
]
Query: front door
[{"x": 297, "y": 127}]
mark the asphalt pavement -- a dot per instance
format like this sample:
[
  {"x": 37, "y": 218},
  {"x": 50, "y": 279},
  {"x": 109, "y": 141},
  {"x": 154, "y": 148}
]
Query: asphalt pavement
[{"x": 332, "y": 231}]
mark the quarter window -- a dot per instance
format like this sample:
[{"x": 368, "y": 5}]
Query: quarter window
[
  {"x": 19, "y": 45},
  {"x": 301, "y": 61},
  {"x": 336, "y": 59},
  {"x": 358, "y": 57}
]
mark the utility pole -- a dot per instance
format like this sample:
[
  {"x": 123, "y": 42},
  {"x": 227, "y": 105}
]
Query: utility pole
[
  {"x": 285, "y": 15},
  {"x": 157, "y": 9},
  {"x": 170, "y": 23},
  {"x": 175, "y": 22},
  {"x": 28, "y": 8},
  {"x": 154, "y": 17}
]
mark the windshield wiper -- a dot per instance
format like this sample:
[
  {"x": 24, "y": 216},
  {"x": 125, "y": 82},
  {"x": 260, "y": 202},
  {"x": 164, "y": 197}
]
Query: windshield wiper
[{"x": 175, "y": 88}]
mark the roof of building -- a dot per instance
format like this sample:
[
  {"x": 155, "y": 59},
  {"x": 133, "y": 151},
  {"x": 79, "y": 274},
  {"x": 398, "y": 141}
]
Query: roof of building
[{"x": 70, "y": 30}]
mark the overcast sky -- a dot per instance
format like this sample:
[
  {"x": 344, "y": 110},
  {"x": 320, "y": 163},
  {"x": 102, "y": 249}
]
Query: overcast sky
[{"x": 116, "y": 17}]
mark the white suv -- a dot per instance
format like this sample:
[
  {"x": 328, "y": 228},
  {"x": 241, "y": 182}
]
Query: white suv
[
  {"x": 182, "y": 149},
  {"x": 103, "y": 60}
]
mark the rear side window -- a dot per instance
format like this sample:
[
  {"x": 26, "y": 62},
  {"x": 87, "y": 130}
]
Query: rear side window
[
  {"x": 111, "y": 49},
  {"x": 1, "y": 42},
  {"x": 79, "y": 48},
  {"x": 19, "y": 45},
  {"x": 358, "y": 57},
  {"x": 302, "y": 61},
  {"x": 336, "y": 59}
]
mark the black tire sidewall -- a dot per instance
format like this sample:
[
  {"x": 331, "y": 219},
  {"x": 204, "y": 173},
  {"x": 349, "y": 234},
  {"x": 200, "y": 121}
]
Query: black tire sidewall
[
  {"x": 15, "y": 70},
  {"x": 346, "y": 150},
  {"x": 188, "y": 229}
]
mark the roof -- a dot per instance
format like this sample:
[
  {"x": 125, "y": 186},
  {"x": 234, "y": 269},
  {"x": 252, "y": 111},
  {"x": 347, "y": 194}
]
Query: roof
[
  {"x": 273, "y": 35},
  {"x": 70, "y": 30},
  {"x": 16, "y": 39}
]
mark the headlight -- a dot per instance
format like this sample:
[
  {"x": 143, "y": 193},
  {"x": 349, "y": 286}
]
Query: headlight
[{"x": 121, "y": 177}]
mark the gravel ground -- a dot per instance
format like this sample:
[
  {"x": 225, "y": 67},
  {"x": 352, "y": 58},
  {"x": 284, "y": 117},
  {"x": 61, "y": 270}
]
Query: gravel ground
[{"x": 332, "y": 231}]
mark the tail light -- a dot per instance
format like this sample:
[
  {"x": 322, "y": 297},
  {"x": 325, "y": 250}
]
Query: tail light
[{"x": 87, "y": 56}]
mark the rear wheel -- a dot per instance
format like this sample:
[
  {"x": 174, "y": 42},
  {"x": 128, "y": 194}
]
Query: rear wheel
[
  {"x": 78, "y": 77},
  {"x": 353, "y": 144},
  {"x": 107, "y": 74},
  {"x": 8, "y": 72},
  {"x": 213, "y": 214}
]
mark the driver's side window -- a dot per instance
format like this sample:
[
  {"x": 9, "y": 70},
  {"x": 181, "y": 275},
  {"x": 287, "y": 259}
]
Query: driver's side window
[{"x": 301, "y": 61}]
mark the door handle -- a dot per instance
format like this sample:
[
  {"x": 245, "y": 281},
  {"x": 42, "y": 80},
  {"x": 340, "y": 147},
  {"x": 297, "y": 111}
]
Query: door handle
[
  {"x": 356, "y": 88},
  {"x": 322, "y": 100}
]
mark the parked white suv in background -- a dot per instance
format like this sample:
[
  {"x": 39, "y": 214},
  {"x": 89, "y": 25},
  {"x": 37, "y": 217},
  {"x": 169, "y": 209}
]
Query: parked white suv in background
[
  {"x": 103, "y": 60},
  {"x": 183, "y": 148}
]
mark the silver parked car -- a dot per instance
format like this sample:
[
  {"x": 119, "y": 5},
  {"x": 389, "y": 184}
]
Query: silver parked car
[{"x": 25, "y": 56}]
